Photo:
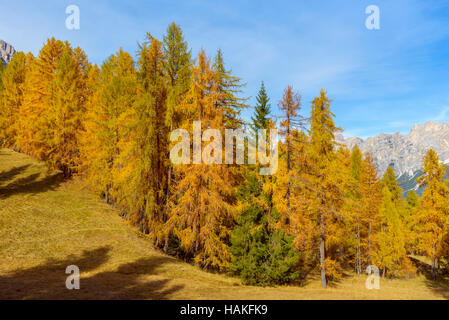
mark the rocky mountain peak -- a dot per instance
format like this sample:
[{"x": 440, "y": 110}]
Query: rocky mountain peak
[
  {"x": 405, "y": 153},
  {"x": 6, "y": 52}
]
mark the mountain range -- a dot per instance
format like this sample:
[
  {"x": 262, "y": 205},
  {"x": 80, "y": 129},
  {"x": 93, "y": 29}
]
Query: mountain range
[
  {"x": 405, "y": 153},
  {"x": 6, "y": 52}
]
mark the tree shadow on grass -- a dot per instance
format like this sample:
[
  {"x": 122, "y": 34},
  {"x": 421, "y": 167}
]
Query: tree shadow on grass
[
  {"x": 31, "y": 184},
  {"x": 48, "y": 281},
  {"x": 439, "y": 286},
  {"x": 335, "y": 283},
  {"x": 9, "y": 175}
]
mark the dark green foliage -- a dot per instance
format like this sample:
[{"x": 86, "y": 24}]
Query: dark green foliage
[
  {"x": 261, "y": 256},
  {"x": 262, "y": 110}
]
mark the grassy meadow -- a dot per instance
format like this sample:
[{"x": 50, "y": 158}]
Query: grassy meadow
[{"x": 48, "y": 223}]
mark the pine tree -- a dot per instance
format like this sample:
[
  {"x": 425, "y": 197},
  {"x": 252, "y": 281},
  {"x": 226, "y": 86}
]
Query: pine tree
[
  {"x": 354, "y": 202},
  {"x": 110, "y": 111},
  {"x": 177, "y": 70},
  {"x": 66, "y": 111},
  {"x": 12, "y": 83},
  {"x": 261, "y": 255},
  {"x": 411, "y": 208},
  {"x": 370, "y": 201},
  {"x": 290, "y": 105},
  {"x": 145, "y": 146},
  {"x": 431, "y": 221},
  {"x": 300, "y": 225},
  {"x": 39, "y": 94},
  {"x": 391, "y": 255},
  {"x": 389, "y": 180},
  {"x": 88, "y": 136},
  {"x": 260, "y": 119},
  {"x": 202, "y": 213},
  {"x": 324, "y": 183},
  {"x": 362, "y": 204},
  {"x": 50, "y": 115}
]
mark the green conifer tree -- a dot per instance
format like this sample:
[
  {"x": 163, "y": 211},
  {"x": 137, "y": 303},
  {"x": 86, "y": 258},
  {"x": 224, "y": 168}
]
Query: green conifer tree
[
  {"x": 261, "y": 255},
  {"x": 261, "y": 119}
]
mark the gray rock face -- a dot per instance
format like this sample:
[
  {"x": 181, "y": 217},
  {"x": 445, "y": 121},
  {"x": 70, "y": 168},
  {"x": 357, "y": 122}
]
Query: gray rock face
[
  {"x": 6, "y": 52},
  {"x": 405, "y": 153}
]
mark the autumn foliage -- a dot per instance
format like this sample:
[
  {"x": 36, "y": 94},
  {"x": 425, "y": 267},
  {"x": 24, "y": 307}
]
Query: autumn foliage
[{"x": 325, "y": 210}]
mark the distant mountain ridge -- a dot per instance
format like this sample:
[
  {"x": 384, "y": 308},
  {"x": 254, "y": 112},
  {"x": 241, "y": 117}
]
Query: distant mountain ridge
[
  {"x": 405, "y": 153},
  {"x": 6, "y": 52}
]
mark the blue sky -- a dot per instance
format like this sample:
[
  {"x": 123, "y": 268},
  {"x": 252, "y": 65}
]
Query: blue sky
[{"x": 380, "y": 80}]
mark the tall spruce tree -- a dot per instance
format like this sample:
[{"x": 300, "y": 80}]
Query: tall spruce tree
[
  {"x": 262, "y": 255},
  {"x": 262, "y": 110}
]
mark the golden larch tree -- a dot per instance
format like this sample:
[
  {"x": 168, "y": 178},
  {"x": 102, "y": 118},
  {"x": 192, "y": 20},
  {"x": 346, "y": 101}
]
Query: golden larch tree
[
  {"x": 431, "y": 221},
  {"x": 201, "y": 211}
]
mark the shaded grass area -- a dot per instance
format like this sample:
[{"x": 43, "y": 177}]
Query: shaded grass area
[
  {"x": 48, "y": 223},
  {"x": 441, "y": 286}
]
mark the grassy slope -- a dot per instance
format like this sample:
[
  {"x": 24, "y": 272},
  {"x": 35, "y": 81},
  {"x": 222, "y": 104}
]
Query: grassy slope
[{"x": 47, "y": 224}]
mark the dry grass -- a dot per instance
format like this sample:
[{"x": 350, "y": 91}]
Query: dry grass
[{"x": 47, "y": 224}]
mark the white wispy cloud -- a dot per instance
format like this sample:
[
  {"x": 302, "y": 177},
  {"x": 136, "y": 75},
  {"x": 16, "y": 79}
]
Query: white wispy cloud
[{"x": 443, "y": 115}]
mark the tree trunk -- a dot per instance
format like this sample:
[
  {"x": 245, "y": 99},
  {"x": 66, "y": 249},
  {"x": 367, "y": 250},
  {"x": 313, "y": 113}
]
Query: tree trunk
[
  {"x": 107, "y": 194},
  {"x": 166, "y": 244},
  {"x": 197, "y": 244},
  {"x": 369, "y": 244},
  {"x": 287, "y": 218},
  {"x": 359, "y": 258},
  {"x": 169, "y": 173},
  {"x": 433, "y": 269},
  {"x": 322, "y": 254}
]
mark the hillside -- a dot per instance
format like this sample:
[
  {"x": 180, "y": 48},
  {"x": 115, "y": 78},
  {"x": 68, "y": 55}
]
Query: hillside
[{"x": 47, "y": 223}]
